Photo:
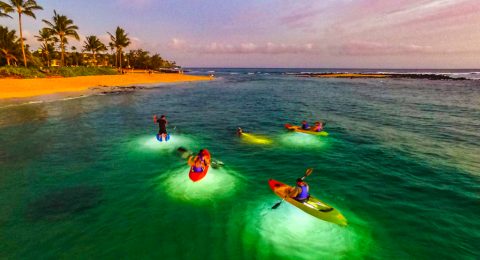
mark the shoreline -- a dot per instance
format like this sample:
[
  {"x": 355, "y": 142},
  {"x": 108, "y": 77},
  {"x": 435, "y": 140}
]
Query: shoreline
[{"x": 28, "y": 88}]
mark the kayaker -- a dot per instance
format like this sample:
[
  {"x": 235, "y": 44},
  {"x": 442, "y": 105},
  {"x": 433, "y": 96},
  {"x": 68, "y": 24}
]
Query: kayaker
[
  {"x": 318, "y": 127},
  {"x": 162, "y": 125},
  {"x": 305, "y": 125},
  {"x": 301, "y": 191},
  {"x": 200, "y": 161},
  {"x": 239, "y": 131}
]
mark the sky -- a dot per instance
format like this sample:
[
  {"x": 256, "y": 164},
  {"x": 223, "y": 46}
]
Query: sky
[{"x": 282, "y": 33}]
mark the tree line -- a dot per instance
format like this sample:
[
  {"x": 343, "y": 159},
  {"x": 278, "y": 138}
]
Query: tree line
[{"x": 54, "y": 39}]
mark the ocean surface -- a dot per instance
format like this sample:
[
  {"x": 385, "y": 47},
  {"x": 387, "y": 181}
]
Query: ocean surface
[{"x": 86, "y": 177}]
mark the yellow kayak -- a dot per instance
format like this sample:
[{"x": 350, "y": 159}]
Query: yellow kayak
[
  {"x": 300, "y": 130},
  {"x": 312, "y": 206},
  {"x": 256, "y": 139}
]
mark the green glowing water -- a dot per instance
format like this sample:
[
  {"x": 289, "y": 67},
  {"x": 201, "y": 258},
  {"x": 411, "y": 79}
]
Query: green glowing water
[{"x": 86, "y": 178}]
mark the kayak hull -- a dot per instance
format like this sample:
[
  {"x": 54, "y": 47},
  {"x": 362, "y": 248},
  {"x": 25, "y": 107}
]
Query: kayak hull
[
  {"x": 197, "y": 176},
  {"x": 256, "y": 139},
  {"x": 299, "y": 129},
  {"x": 312, "y": 206}
]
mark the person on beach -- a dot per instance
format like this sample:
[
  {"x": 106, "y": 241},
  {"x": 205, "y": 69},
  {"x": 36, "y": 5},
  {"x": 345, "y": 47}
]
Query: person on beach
[
  {"x": 200, "y": 161},
  {"x": 301, "y": 191},
  {"x": 305, "y": 125},
  {"x": 162, "y": 125},
  {"x": 318, "y": 127}
]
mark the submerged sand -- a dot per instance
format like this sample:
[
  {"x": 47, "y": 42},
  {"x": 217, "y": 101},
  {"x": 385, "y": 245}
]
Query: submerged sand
[{"x": 21, "y": 88}]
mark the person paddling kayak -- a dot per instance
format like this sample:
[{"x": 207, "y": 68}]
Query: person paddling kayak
[
  {"x": 301, "y": 191},
  {"x": 318, "y": 126},
  {"x": 162, "y": 125},
  {"x": 200, "y": 161},
  {"x": 305, "y": 125},
  {"x": 239, "y": 131}
]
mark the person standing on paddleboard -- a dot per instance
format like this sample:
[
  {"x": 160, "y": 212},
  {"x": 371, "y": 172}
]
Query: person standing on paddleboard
[{"x": 162, "y": 124}]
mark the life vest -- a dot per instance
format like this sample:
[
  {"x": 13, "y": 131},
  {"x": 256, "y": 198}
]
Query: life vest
[
  {"x": 303, "y": 195},
  {"x": 202, "y": 161},
  {"x": 305, "y": 126},
  {"x": 197, "y": 169}
]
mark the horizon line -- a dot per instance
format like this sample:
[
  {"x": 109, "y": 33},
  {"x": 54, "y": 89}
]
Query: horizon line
[{"x": 215, "y": 67}]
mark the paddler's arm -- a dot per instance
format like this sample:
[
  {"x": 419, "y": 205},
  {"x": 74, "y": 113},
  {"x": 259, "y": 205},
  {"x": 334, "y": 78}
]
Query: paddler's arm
[
  {"x": 293, "y": 192},
  {"x": 191, "y": 160}
]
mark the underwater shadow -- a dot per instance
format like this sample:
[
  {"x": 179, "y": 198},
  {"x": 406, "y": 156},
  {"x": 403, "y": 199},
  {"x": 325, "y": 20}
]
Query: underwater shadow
[{"x": 61, "y": 204}]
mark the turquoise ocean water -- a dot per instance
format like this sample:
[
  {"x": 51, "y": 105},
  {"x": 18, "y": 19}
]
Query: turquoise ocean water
[{"x": 86, "y": 178}]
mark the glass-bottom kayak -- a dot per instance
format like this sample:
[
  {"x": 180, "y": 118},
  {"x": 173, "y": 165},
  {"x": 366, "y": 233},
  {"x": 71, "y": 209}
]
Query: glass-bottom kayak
[
  {"x": 299, "y": 129},
  {"x": 312, "y": 206}
]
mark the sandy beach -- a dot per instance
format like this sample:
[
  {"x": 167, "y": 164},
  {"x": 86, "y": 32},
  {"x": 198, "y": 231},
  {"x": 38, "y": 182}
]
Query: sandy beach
[{"x": 21, "y": 88}]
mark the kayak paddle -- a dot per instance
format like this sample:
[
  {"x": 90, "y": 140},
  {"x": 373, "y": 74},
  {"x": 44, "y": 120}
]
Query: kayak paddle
[
  {"x": 184, "y": 153},
  {"x": 307, "y": 173}
]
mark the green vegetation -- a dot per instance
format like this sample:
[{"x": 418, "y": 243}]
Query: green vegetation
[
  {"x": 63, "y": 28},
  {"x": 20, "y": 72},
  {"x": 25, "y": 7},
  {"x": 9, "y": 45},
  {"x": 94, "y": 58},
  {"x": 31, "y": 72},
  {"x": 93, "y": 44},
  {"x": 119, "y": 41}
]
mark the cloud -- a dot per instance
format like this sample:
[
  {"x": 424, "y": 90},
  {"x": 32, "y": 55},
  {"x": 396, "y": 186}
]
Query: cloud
[
  {"x": 299, "y": 18},
  {"x": 242, "y": 48},
  {"x": 135, "y": 43},
  {"x": 446, "y": 14},
  {"x": 366, "y": 48},
  {"x": 178, "y": 44},
  {"x": 138, "y": 4}
]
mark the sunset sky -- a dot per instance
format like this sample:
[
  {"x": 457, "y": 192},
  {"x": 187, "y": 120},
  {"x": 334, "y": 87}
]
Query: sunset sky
[{"x": 296, "y": 33}]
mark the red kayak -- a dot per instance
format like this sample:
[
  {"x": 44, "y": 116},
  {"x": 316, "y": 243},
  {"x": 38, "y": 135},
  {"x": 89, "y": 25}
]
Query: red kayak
[{"x": 196, "y": 176}]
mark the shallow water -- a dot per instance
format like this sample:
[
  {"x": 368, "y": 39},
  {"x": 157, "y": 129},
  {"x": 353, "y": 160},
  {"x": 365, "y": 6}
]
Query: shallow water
[{"x": 86, "y": 177}]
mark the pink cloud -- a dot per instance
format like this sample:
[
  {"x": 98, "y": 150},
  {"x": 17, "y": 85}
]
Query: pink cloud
[
  {"x": 250, "y": 48},
  {"x": 365, "y": 48},
  {"x": 242, "y": 48},
  {"x": 138, "y": 4},
  {"x": 299, "y": 18},
  {"x": 446, "y": 14}
]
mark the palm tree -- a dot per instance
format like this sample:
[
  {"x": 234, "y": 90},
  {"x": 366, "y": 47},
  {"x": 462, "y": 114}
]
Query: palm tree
[
  {"x": 25, "y": 7},
  {"x": 63, "y": 27},
  {"x": 93, "y": 44},
  {"x": 114, "y": 53},
  {"x": 46, "y": 38},
  {"x": 3, "y": 6},
  {"x": 75, "y": 55},
  {"x": 120, "y": 41},
  {"x": 9, "y": 44}
]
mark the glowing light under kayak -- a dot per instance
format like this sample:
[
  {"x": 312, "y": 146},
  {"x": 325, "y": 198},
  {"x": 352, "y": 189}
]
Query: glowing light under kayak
[
  {"x": 217, "y": 184},
  {"x": 294, "y": 234},
  {"x": 256, "y": 139},
  {"x": 295, "y": 139}
]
